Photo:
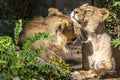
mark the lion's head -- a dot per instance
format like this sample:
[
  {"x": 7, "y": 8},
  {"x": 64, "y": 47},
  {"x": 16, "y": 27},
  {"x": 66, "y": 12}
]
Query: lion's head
[{"x": 90, "y": 17}]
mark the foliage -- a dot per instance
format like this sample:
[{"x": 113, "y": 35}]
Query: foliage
[
  {"x": 64, "y": 68},
  {"x": 116, "y": 3},
  {"x": 26, "y": 64},
  {"x": 113, "y": 21},
  {"x": 5, "y": 41},
  {"x": 38, "y": 36},
  {"x": 116, "y": 43},
  {"x": 17, "y": 31}
]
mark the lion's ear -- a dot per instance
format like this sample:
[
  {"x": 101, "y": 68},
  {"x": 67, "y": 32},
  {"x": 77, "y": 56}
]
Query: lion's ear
[
  {"x": 104, "y": 12},
  {"x": 86, "y": 4},
  {"x": 54, "y": 12}
]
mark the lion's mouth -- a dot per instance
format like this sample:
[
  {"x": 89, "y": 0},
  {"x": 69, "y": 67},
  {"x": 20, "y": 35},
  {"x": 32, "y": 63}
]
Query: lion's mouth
[
  {"x": 72, "y": 15},
  {"x": 74, "y": 18}
]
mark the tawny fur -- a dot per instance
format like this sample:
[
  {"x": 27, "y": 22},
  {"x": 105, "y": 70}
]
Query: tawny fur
[
  {"x": 97, "y": 53},
  {"x": 57, "y": 24}
]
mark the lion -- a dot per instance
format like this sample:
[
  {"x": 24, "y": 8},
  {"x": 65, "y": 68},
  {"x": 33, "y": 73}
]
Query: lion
[
  {"x": 56, "y": 23},
  {"x": 97, "y": 56}
]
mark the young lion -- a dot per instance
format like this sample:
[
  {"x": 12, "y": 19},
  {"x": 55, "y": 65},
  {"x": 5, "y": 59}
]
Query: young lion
[
  {"x": 56, "y": 24},
  {"x": 96, "y": 50}
]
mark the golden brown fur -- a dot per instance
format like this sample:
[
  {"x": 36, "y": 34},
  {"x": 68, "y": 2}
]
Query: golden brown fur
[
  {"x": 57, "y": 24},
  {"x": 96, "y": 50}
]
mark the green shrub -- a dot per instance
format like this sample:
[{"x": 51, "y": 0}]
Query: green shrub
[
  {"x": 17, "y": 31},
  {"x": 5, "y": 41},
  {"x": 116, "y": 43},
  {"x": 25, "y": 63}
]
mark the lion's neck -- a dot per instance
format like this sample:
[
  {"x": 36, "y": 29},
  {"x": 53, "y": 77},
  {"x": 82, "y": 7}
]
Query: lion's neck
[{"x": 100, "y": 36}]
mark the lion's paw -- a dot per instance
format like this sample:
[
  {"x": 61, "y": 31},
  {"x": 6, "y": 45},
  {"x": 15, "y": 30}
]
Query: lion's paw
[{"x": 82, "y": 75}]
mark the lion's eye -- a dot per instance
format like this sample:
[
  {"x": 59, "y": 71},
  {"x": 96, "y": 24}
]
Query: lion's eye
[
  {"x": 75, "y": 11},
  {"x": 89, "y": 11}
]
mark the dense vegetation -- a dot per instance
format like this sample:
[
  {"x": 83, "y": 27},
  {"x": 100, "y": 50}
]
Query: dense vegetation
[{"x": 24, "y": 63}]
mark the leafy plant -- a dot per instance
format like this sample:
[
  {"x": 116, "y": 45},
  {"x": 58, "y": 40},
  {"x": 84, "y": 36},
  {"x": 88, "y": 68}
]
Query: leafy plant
[
  {"x": 116, "y": 43},
  {"x": 38, "y": 36},
  {"x": 17, "y": 31},
  {"x": 116, "y": 3},
  {"x": 64, "y": 68},
  {"x": 26, "y": 64},
  {"x": 5, "y": 41}
]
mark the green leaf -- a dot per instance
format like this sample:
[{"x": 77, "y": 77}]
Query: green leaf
[
  {"x": 116, "y": 3},
  {"x": 113, "y": 15},
  {"x": 5, "y": 41},
  {"x": 39, "y": 36},
  {"x": 116, "y": 43},
  {"x": 17, "y": 30}
]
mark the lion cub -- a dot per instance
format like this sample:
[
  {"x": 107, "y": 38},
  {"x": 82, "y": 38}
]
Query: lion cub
[
  {"x": 97, "y": 56},
  {"x": 56, "y": 24}
]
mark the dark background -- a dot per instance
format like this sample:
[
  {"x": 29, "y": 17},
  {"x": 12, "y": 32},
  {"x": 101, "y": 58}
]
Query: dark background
[
  {"x": 26, "y": 9},
  {"x": 41, "y": 6}
]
